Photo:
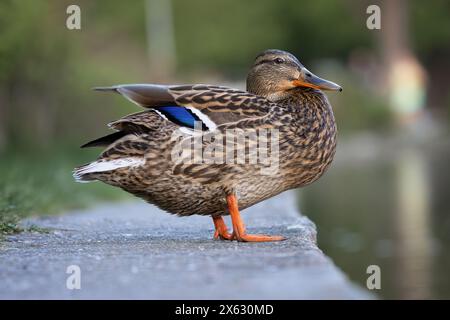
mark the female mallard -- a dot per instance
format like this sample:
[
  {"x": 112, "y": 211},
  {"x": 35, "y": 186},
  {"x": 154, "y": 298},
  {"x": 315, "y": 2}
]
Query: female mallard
[{"x": 177, "y": 154}]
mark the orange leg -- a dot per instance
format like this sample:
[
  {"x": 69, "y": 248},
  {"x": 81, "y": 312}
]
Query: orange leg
[
  {"x": 238, "y": 225},
  {"x": 221, "y": 229}
]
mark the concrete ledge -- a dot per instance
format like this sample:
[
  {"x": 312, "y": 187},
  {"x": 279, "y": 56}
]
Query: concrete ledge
[{"x": 134, "y": 250}]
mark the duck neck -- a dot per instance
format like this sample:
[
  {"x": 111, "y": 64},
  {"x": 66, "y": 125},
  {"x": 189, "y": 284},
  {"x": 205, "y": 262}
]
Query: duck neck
[
  {"x": 314, "y": 135},
  {"x": 314, "y": 112}
]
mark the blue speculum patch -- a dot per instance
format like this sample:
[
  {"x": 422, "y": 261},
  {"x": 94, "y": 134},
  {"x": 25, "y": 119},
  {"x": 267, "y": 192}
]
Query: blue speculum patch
[{"x": 181, "y": 116}]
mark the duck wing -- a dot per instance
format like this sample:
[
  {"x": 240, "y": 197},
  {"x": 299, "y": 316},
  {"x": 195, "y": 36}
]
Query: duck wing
[{"x": 184, "y": 105}]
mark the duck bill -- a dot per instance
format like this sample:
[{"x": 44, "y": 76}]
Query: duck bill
[{"x": 310, "y": 80}]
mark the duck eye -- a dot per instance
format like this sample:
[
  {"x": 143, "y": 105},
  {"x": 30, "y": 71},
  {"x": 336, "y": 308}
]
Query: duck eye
[{"x": 278, "y": 60}]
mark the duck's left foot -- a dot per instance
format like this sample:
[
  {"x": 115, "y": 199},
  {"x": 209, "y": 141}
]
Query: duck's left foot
[{"x": 221, "y": 229}]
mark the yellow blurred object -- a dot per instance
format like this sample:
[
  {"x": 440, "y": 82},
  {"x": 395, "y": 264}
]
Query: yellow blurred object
[{"x": 407, "y": 86}]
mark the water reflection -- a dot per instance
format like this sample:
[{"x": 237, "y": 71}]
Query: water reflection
[
  {"x": 387, "y": 205},
  {"x": 412, "y": 228}
]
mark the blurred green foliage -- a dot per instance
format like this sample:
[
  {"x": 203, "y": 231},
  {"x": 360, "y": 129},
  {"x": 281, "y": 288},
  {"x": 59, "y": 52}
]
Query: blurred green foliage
[
  {"x": 229, "y": 34},
  {"x": 430, "y": 28}
]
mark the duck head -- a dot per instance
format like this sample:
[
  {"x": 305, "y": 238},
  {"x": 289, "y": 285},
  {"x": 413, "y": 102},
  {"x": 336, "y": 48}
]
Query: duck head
[{"x": 276, "y": 72}]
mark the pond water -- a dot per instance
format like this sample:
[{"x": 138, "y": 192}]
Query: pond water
[{"x": 387, "y": 204}]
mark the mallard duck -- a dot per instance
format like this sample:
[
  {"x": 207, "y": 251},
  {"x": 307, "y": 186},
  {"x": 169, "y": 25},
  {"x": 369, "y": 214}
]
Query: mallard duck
[{"x": 283, "y": 98}]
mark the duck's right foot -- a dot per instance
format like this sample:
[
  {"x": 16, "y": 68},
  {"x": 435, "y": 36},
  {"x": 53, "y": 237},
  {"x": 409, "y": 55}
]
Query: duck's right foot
[
  {"x": 239, "y": 232},
  {"x": 257, "y": 238}
]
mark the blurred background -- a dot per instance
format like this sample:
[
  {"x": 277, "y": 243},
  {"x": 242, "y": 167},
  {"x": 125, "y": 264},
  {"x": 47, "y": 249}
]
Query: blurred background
[{"x": 383, "y": 202}]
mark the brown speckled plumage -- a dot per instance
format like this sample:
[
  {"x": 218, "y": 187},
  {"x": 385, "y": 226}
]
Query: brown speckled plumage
[{"x": 301, "y": 114}]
